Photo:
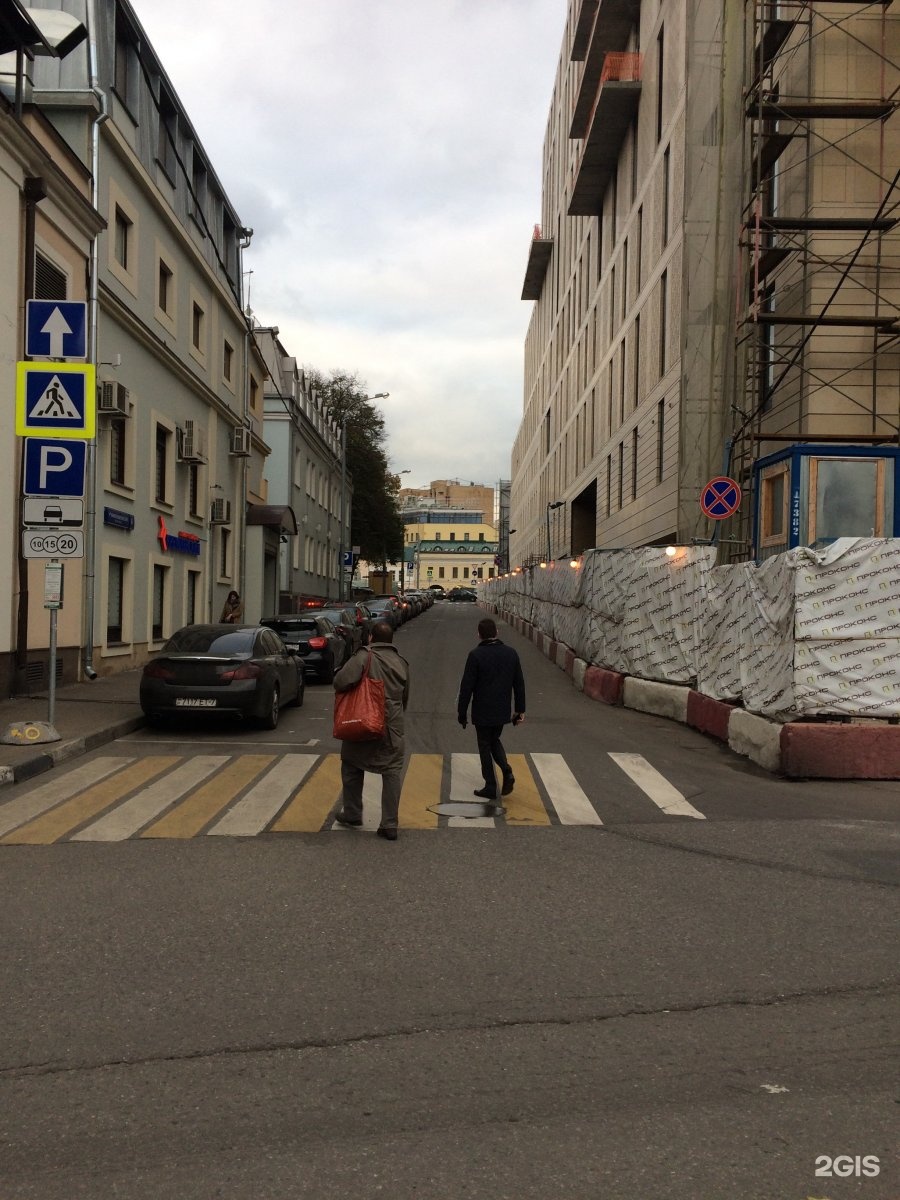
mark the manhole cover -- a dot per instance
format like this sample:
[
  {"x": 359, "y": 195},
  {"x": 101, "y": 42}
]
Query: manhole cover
[{"x": 467, "y": 808}]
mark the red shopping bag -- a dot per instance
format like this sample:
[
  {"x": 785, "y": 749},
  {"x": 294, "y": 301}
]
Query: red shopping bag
[{"x": 359, "y": 714}]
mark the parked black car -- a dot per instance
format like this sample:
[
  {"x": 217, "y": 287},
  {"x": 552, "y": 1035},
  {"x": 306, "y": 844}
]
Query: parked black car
[
  {"x": 464, "y": 595},
  {"x": 241, "y": 670},
  {"x": 386, "y": 608},
  {"x": 320, "y": 647},
  {"x": 343, "y": 618}
]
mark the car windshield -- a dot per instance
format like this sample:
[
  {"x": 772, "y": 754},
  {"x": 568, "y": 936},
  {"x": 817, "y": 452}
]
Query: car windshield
[
  {"x": 204, "y": 639},
  {"x": 293, "y": 625}
]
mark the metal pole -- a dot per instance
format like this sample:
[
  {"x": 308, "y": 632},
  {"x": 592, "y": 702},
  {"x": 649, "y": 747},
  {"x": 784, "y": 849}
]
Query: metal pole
[
  {"x": 548, "y": 531},
  {"x": 341, "y": 573},
  {"x": 51, "y": 701}
]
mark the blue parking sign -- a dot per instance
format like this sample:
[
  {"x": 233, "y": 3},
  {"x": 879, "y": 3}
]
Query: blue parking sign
[{"x": 54, "y": 467}]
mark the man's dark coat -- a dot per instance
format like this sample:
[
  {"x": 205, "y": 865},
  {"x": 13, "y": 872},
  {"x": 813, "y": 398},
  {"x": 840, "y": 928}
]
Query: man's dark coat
[{"x": 493, "y": 675}]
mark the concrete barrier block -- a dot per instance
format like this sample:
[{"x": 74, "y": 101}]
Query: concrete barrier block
[
  {"x": 560, "y": 658},
  {"x": 831, "y": 751},
  {"x": 661, "y": 699},
  {"x": 709, "y": 715},
  {"x": 569, "y": 665},
  {"x": 603, "y": 685},
  {"x": 756, "y": 738},
  {"x": 578, "y": 669}
]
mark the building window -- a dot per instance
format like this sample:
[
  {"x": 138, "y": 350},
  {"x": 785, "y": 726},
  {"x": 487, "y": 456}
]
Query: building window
[
  {"x": 163, "y": 437},
  {"x": 636, "y": 361},
  {"x": 456, "y": 572},
  {"x": 465, "y": 572},
  {"x": 115, "y": 600},
  {"x": 452, "y": 537},
  {"x": 198, "y": 187},
  {"x": 634, "y": 161},
  {"x": 634, "y": 464},
  {"x": 224, "y": 551},
  {"x": 168, "y": 128},
  {"x": 194, "y": 489},
  {"x": 122, "y": 239},
  {"x": 49, "y": 282},
  {"x": 159, "y": 601},
  {"x": 660, "y": 59},
  {"x": 117, "y": 452},
  {"x": 667, "y": 184},
  {"x": 227, "y": 361},
  {"x": 663, "y": 320},
  {"x": 773, "y": 521},
  {"x": 125, "y": 80},
  {"x": 164, "y": 288},
  {"x": 197, "y": 326},
  {"x": 440, "y": 572},
  {"x": 193, "y": 592},
  {"x": 621, "y": 481},
  {"x": 609, "y": 485},
  {"x": 465, "y": 537},
  {"x": 437, "y": 535},
  {"x": 660, "y": 438}
]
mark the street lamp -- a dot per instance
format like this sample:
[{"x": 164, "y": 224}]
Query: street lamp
[
  {"x": 551, "y": 504},
  {"x": 342, "y": 579}
]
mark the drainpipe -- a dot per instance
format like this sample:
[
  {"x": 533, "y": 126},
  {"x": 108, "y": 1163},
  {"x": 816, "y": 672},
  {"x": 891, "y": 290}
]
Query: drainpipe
[
  {"x": 243, "y": 243},
  {"x": 90, "y": 482},
  {"x": 34, "y": 192}
]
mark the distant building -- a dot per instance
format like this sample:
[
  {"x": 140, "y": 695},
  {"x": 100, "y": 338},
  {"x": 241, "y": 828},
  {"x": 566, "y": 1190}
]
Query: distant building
[{"x": 447, "y": 545}]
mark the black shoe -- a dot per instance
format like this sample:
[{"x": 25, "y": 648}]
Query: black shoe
[
  {"x": 485, "y": 793},
  {"x": 348, "y": 822},
  {"x": 509, "y": 782},
  {"x": 387, "y": 832}
]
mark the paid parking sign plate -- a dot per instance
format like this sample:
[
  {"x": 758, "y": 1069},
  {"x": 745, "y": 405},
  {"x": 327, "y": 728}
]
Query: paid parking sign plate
[
  {"x": 56, "y": 400},
  {"x": 56, "y": 543}
]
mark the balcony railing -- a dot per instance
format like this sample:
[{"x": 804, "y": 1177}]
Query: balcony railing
[{"x": 614, "y": 108}]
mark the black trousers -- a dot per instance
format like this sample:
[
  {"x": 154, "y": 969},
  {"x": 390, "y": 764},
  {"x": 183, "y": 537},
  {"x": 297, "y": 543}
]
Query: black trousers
[{"x": 490, "y": 750}]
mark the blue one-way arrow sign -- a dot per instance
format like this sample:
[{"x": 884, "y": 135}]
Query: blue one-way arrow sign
[{"x": 56, "y": 329}]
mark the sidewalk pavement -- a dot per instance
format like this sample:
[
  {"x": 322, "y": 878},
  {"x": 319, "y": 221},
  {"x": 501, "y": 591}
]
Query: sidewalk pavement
[{"x": 86, "y": 715}]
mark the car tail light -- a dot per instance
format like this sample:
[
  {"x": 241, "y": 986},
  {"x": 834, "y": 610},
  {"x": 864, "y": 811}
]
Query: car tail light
[
  {"x": 247, "y": 670},
  {"x": 317, "y": 643},
  {"x": 155, "y": 670}
]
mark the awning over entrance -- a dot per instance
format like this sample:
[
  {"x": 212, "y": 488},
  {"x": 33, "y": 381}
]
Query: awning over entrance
[{"x": 274, "y": 516}]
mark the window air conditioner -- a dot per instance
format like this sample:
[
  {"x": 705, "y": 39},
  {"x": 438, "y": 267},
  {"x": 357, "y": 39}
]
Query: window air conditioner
[
  {"x": 240, "y": 442},
  {"x": 112, "y": 399},
  {"x": 221, "y": 512},
  {"x": 192, "y": 448}
]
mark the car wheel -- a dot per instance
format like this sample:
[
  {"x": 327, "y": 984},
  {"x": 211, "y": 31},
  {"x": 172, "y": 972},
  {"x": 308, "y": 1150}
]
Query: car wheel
[
  {"x": 270, "y": 720},
  {"x": 298, "y": 703}
]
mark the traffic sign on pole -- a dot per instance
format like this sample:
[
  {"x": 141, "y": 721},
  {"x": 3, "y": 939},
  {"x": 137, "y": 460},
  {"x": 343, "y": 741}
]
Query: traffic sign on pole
[
  {"x": 56, "y": 329},
  {"x": 54, "y": 467},
  {"x": 57, "y": 400},
  {"x": 58, "y": 543},
  {"x": 720, "y": 498}
]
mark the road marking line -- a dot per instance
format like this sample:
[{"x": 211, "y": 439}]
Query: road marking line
[
  {"x": 371, "y": 802},
  {"x": 524, "y": 805},
  {"x": 254, "y": 812},
  {"x": 126, "y": 819},
  {"x": 189, "y": 817},
  {"x": 465, "y": 776},
  {"x": 313, "y": 800},
  {"x": 33, "y": 803},
  {"x": 656, "y": 786},
  {"x": 421, "y": 789},
  {"x": 56, "y": 823},
  {"x": 569, "y": 802}
]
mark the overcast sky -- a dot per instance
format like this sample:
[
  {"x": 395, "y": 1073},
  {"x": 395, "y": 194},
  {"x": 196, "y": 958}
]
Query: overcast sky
[{"x": 387, "y": 155}]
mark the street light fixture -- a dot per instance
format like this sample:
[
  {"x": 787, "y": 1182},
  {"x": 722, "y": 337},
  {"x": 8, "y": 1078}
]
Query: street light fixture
[
  {"x": 342, "y": 584},
  {"x": 551, "y": 504}
]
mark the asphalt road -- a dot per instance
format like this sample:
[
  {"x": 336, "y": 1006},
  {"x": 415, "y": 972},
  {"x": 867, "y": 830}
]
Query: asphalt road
[{"x": 658, "y": 1006}]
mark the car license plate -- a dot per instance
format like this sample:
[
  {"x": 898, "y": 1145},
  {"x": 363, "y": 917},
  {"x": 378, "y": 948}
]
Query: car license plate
[{"x": 188, "y": 702}]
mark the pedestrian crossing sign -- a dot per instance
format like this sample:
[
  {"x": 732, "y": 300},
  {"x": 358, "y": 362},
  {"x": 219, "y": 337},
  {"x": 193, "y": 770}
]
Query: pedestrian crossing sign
[{"x": 56, "y": 400}]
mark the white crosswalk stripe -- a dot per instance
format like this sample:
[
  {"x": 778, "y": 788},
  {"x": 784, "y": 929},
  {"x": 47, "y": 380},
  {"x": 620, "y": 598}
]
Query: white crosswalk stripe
[
  {"x": 656, "y": 786},
  {"x": 114, "y": 799}
]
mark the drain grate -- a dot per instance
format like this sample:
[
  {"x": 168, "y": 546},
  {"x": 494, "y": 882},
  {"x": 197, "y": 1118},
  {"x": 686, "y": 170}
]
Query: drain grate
[{"x": 468, "y": 808}]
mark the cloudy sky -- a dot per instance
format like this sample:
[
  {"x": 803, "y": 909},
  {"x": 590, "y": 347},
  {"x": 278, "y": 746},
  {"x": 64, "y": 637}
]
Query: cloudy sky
[{"x": 387, "y": 154}]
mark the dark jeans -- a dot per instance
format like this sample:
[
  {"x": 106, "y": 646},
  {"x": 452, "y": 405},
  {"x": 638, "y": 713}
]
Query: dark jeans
[{"x": 490, "y": 750}]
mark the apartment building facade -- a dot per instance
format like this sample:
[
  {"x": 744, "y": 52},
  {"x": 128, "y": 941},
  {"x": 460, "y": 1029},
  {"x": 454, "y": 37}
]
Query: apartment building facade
[
  {"x": 708, "y": 180},
  {"x": 179, "y": 450},
  {"x": 447, "y": 544},
  {"x": 305, "y": 479}
]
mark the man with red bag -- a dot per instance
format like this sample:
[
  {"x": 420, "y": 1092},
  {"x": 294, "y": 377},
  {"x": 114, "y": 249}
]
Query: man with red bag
[{"x": 383, "y": 756}]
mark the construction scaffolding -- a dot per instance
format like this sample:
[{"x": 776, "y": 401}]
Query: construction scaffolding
[{"x": 817, "y": 307}]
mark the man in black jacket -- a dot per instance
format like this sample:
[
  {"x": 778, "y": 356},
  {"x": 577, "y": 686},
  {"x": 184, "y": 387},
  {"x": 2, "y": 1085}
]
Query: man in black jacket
[{"x": 494, "y": 683}]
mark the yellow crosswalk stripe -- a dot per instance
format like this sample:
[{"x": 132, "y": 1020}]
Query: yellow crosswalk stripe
[
  {"x": 61, "y": 820},
  {"x": 313, "y": 800},
  {"x": 421, "y": 788},
  {"x": 188, "y": 818},
  {"x": 524, "y": 805}
]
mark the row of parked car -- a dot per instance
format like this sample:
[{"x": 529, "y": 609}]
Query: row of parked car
[{"x": 254, "y": 670}]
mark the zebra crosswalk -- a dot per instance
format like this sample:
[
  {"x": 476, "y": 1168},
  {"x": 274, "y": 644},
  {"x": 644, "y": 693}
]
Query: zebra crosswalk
[{"x": 116, "y": 798}]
